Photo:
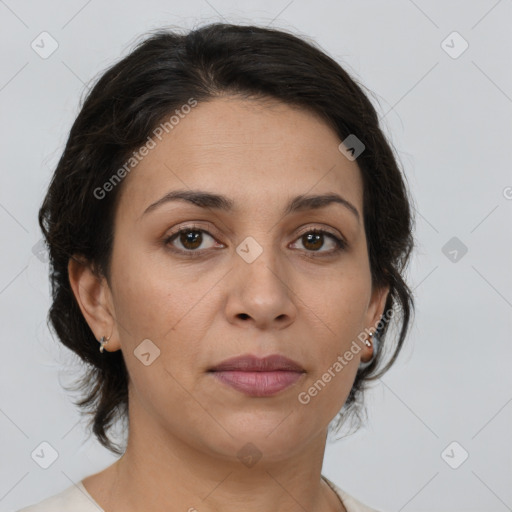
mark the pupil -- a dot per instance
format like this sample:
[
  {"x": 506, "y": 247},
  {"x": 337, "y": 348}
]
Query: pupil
[
  {"x": 191, "y": 237},
  {"x": 317, "y": 237}
]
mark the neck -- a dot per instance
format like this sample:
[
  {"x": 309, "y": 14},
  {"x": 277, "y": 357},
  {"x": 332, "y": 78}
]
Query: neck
[{"x": 161, "y": 471}]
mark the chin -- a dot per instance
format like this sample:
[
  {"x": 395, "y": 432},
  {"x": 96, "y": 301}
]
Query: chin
[{"x": 274, "y": 438}]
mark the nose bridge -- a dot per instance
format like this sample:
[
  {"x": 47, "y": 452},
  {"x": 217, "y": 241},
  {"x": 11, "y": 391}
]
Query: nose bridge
[
  {"x": 259, "y": 260},
  {"x": 263, "y": 292}
]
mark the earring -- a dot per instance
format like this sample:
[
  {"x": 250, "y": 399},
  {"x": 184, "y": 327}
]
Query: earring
[
  {"x": 369, "y": 342},
  {"x": 103, "y": 341}
]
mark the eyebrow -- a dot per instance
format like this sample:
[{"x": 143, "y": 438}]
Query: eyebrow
[{"x": 219, "y": 202}]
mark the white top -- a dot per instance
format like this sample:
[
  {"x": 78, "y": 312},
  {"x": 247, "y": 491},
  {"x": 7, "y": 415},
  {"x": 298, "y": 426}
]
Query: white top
[{"x": 76, "y": 499}]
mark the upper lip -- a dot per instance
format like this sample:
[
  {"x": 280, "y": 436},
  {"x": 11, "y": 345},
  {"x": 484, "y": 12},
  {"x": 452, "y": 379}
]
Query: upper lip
[{"x": 249, "y": 363}]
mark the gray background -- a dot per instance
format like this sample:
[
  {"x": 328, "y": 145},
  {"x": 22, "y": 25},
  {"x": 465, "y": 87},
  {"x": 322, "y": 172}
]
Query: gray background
[{"x": 449, "y": 118}]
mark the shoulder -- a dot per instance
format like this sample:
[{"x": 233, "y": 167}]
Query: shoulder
[
  {"x": 77, "y": 498},
  {"x": 74, "y": 497},
  {"x": 350, "y": 503}
]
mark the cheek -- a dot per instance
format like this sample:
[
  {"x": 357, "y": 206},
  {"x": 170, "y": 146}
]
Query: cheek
[
  {"x": 164, "y": 304},
  {"x": 145, "y": 307},
  {"x": 342, "y": 299},
  {"x": 151, "y": 306},
  {"x": 149, "y": 297},
  {"x": 341, "y": 310}
]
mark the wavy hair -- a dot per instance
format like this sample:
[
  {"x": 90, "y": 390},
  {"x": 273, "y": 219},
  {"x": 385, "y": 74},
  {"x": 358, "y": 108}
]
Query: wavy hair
[{"x": 118, "y": 114}]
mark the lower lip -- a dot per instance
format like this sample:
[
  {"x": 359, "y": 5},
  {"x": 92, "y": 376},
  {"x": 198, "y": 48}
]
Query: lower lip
[{"x": 258, "y": 383}]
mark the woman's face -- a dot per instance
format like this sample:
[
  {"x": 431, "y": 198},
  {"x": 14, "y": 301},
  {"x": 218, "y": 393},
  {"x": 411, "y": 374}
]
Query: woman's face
[{"x": 246, "y": 280}]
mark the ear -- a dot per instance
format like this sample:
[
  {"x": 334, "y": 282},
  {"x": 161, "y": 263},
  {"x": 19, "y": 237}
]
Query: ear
[
  {"x": 95, "y": 300},
  {"x": 374, "y": 314},
  {"x": 376, "y": 306}
]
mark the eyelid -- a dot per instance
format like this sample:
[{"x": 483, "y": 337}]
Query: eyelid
[
  {"x": 185, "y": 226},
  {"x": 339, "y": 241},
  {"x": 323, "y": 229}
]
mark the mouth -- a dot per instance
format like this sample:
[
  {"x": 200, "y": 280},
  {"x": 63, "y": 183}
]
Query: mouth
[{"x": 258, "y": 377}]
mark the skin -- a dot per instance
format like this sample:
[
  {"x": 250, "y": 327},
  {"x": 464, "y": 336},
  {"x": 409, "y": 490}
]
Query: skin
[{"x": 186, "y": 427}]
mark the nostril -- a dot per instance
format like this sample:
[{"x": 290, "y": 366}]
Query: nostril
[{"x": 243, "y": 316}]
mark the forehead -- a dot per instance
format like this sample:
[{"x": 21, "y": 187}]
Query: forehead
[{"x": 249, "y": 150}]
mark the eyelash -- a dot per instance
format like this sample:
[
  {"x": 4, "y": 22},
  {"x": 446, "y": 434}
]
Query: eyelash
[{"x": 340, "y": 244}]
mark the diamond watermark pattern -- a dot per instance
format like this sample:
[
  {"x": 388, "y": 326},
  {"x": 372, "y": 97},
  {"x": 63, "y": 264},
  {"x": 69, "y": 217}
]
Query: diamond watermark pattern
[
  {"x": 40, "y": 251},
  {"x": 249, "y": 249},
  {"x": 454, "y": 455},
  {"x": 351, "y": 147},
  {"x": 454, "y": 45},
  {"x": 454, "y": 249},
  {"x": 146, "y": 352},
  {"x": 249, "y": 455},
  {"x": 44, "y": 45},
  {"x": 44, "y": 455}
]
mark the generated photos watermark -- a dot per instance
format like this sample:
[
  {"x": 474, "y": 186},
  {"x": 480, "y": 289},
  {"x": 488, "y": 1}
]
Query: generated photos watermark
[
  {"x": 304, "y": 397},
  {"x": 138, "y": 156}
]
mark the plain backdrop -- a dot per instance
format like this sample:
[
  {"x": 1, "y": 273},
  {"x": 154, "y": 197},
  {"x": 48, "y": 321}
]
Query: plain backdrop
[{"x": 438, "y": 431}]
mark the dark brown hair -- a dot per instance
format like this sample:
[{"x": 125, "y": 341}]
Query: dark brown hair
[{"x": 131, "y": 98}]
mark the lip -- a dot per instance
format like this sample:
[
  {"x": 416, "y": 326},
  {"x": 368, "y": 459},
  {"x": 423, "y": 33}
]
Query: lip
[
  {"x": 250, "y": 363},
  {"x": 258, "y": 377}
]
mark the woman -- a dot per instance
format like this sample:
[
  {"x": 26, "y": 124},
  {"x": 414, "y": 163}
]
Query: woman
[{"x": 228, "y": 220}]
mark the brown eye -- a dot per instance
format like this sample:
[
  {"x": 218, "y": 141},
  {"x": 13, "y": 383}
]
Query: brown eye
[
  {"x": 315, "y": 240},
  {"x": 190, "y": 239}
]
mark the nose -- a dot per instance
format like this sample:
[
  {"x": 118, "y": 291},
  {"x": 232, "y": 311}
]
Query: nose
[{"x": 260, "y": 293}]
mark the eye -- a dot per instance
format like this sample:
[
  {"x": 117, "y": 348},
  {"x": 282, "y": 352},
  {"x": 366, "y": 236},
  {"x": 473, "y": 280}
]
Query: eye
[
  {"x": 314, "y": 239},
  {"x": 191, "y": 238}
]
